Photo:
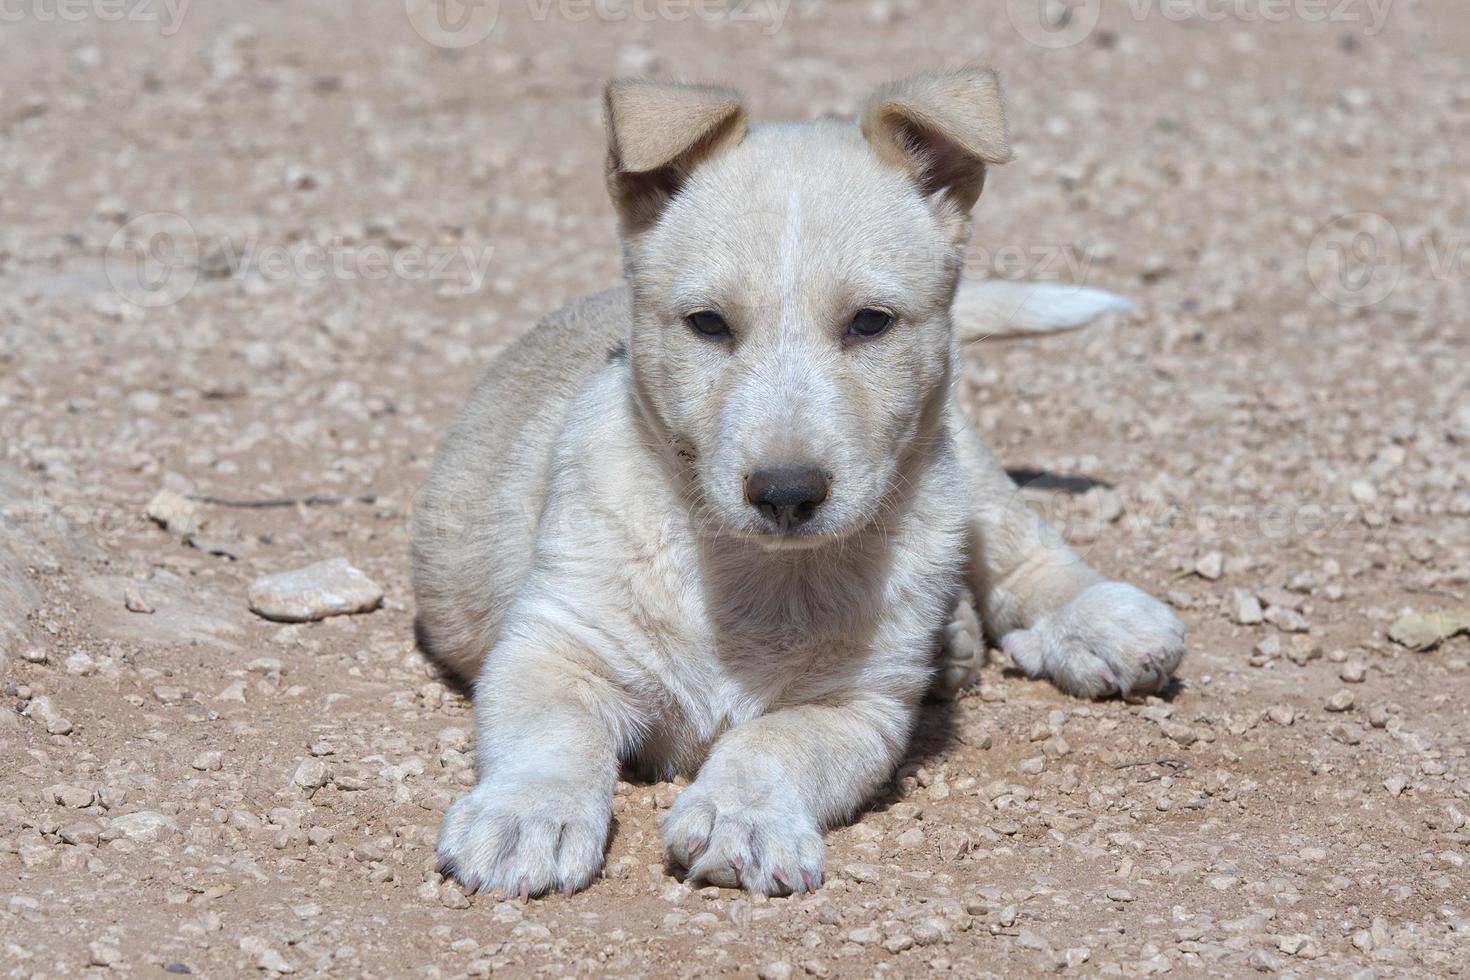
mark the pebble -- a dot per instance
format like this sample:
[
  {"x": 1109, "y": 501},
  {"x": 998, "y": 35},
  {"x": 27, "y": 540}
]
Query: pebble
[
  {"x": 1281, "y": 714},
  {"x": 274, "y": 962},
  {"x": 451, "y": 896},
  {"x": 43, "y": 710},
  {"x": 1179, "y": 732},
  {"x": 1073, "y": 957},
  {"x": 71, "y": 795},
  {"x": 173, "y": 512},
  {"x": 303, "y": 595},
  {"x": 1265, "y": 961},
  {"x": 79, "y": 833},
  {"x": 1211, "y": 565},
  {"x": 1287, "y": 620},
  {"x": 1353, "y": 672},
  {"x": 148, "y": 826},
  {"x": 1341, "y": 701},
  {"x": 311, "y": 774},
  {"x": 911, "y": 838},
  {"x": 1396, "y": 784},
  {"x": 1267, "y": 649},
  {"x": 135, "y": 601},
  {"x": 208, "y": 762},
  {"x": 102, "y": 953},
  {"x": 929, "y": 932},
  {"x": 1245, "y": 608}
]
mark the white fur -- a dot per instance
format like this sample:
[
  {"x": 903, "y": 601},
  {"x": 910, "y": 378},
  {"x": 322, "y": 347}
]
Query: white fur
[{"x": 584, "y": 542}]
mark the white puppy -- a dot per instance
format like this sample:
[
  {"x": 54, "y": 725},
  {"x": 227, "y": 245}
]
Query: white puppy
[{"x": 718, "y": 522}]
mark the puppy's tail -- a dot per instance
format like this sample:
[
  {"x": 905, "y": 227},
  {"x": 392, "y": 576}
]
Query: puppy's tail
[{"x": 997, "y": 309}]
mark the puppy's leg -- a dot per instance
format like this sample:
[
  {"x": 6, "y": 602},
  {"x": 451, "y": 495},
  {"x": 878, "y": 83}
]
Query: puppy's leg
[
  {"x": 755, "y": 815},
  {"x": 1055, "y": 615},
  {"x": 549, "y": 730}
]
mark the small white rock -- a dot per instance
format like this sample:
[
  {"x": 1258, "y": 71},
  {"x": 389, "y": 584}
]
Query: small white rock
[
  {"x": 1245, "y": 608},
  {"x": 173, "y": 512},
  {"x": 148, "y": 826},
  {"x": 208, "y": 761},
  {"x": 328, "y": 588},
  {"x": 274, "y": 962},
  {"x": 1211, "y": 565},
  {"x": 311, "y": 774}
]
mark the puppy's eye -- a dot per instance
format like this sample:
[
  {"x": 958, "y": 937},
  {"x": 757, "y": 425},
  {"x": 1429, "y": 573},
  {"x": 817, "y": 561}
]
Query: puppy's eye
[
  {"x": 708, "y": 323},
  {"x": 870, "y": 323}
]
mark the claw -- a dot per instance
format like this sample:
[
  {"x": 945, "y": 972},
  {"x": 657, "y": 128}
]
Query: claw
[
  {"x": 737, "y": 862},
  {"x": 525, "y": 890},
  {"x": 694, "y": 844},
  {"x": 440, "y": 865},
  {"x": 470, "y": 886},
  {"x": 568, "y": 889},
  {"x": 812, "y": 880},
  {"x": 781, "y": 879}
]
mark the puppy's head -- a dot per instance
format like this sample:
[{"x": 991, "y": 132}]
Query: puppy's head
[{"x": 791, "y": 289}]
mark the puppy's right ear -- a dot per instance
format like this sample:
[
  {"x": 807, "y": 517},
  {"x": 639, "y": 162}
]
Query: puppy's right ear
[{"x": 657, "y": 133}]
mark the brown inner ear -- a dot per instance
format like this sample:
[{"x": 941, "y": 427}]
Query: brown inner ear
[
  {"x": 642, "y": 197},
  {"x": 940, "y": 165}
]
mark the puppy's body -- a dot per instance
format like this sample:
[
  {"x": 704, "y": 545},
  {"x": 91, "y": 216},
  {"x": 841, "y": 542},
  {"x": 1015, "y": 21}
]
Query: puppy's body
[
  {"x": 587, "y": 522},
  {"x": 549, "y": 505}
]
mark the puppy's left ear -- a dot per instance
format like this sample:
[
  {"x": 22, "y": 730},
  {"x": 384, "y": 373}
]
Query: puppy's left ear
[{"x": 942, "y": 129}]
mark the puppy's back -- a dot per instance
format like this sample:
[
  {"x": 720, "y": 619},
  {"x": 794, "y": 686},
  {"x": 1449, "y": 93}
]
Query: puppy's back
[{"x": 475, "y": 520}]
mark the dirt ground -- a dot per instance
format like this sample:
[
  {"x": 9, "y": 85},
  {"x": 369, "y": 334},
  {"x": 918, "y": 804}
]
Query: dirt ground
[{"x": 1282, "y": 431}]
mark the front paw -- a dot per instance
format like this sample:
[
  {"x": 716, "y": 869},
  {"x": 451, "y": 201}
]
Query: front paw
[
  {"x": 739, "y": 832},
  {"x": 1111, "y": 638},
  {"x": 526, "y": 837}
]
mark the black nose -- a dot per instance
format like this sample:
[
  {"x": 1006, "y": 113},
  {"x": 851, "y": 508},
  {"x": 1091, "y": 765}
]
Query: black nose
[{"x": 787, "y": 495}]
